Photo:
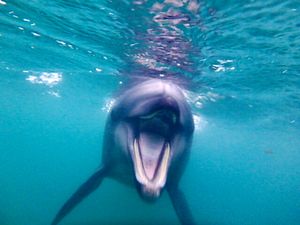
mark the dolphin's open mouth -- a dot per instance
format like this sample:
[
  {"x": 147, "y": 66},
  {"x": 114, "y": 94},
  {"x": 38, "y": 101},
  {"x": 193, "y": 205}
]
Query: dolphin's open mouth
[{"x": 152, "y": 150}]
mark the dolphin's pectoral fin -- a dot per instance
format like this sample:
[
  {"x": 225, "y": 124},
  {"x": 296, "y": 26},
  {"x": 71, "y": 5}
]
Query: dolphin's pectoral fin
[
  {"x": 83, "y": 191},
  {"x": 181, "y": 206}
]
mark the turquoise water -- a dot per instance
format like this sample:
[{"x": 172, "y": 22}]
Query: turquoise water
[{"x": 61, "y": 63}]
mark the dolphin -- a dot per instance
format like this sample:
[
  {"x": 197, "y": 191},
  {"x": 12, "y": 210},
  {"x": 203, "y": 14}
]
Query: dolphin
[{"x": 147, "y": 141}]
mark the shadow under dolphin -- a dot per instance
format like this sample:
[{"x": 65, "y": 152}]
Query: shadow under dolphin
[{"x": 146, "y": 144}]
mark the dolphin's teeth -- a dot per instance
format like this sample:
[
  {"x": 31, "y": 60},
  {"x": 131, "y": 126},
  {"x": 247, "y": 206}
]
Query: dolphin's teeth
[
  {"x": 161, "y": 176},
  {"x": 138, "y": 162}
]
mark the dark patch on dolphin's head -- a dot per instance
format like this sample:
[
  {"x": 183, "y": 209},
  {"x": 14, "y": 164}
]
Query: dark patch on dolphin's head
[{"x": 156, "y": 131}]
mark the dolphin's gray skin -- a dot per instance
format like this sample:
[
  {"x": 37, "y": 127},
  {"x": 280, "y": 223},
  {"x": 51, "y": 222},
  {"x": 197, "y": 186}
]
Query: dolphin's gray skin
[{"x": 147, "y": 140}]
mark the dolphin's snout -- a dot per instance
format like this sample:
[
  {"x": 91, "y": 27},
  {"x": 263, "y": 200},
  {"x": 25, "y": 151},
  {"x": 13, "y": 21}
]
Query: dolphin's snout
[{"x": 151, "y": 148}]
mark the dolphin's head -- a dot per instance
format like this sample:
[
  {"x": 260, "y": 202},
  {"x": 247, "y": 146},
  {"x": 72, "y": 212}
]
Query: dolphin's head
[{"x": 154, "y": 130}]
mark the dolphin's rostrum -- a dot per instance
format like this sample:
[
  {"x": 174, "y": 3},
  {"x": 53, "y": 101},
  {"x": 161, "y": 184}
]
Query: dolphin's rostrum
[{"x": 146, "y": 144}]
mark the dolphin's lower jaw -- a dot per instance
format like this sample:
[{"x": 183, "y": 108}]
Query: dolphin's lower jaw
[{"x": 151, "y": 187}]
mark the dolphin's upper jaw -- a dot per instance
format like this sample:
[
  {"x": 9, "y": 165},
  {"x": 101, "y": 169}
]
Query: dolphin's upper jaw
[{"x": 151, "y": 151}]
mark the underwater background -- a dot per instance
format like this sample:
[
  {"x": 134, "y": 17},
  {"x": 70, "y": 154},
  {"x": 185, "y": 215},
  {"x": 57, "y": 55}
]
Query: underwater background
[{"x": 61, "y": 63}]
